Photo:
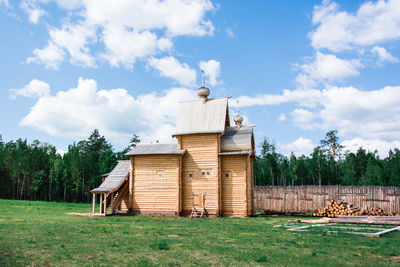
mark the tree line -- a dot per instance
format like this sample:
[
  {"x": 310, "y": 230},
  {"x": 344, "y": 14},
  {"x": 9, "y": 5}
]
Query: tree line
[
  {"x": 36, "y": 171},
  {"x": 328, "y": 164}
]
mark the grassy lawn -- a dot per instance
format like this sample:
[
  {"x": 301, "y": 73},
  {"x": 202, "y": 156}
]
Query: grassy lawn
[{"x": 42, "y": 233}]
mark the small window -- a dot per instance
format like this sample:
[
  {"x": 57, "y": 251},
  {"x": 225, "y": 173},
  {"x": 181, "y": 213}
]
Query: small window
[
  {"x": 205, "y": 174},
  {"x": 190, "y": 175},
  {"x": 227, "y": 174},
  {"x": 160, "y": 174}
]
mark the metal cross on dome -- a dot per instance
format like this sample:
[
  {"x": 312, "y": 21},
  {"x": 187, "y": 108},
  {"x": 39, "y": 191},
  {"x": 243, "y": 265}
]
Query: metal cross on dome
[{"x": 203, "y": 78}]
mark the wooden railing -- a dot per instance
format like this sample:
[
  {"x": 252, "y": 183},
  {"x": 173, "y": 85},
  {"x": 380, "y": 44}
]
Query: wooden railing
[{"x": 310, "y": 198}]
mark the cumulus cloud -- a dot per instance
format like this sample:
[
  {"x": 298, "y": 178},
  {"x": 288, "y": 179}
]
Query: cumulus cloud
[
  {"x": 229, "y": 32},
  {"x": 369, "y": 114},
  {"x": 303, "y": 118},
  {"x": 51, "y": 56},
  {"x": 172, "y": 68},
  {"x": 305, "y": 97},
  {"x": 212, "y": 69},
  {"x": 327, "y": 67},
  {"x": 373, "y": 23},
  {"x": 5, "y": 3},
  {"x": 75, "y": 39},
  {"x": 282, "y": 117},
  {"x": 371, "y": 145},
  {"x": 34, "y": 12},
  {"x": 68, "y": 4},
  {"x": 301, "y": 146},
  {"x": 128, "y": 31},
  {"x": 74, "y": 113},
  {"x": 35, "y": 88},
  {"x": 383, "y": 55}
]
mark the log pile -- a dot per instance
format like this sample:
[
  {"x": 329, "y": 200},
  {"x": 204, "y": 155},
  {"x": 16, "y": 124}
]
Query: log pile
[
  {"x": 376, "y": 212},
  {"x": 337, "y": 208}
]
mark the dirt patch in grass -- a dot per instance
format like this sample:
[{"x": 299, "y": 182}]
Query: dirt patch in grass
[{"x": 81, "y": 214}]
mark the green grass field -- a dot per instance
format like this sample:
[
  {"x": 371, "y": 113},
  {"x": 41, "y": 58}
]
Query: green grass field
[{"x": 42, "y": 233}]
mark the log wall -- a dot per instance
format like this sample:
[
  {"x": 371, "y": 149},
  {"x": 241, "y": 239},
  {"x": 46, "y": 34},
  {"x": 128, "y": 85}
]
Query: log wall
[
  {"x": 201, "y": 155},
  {"x": 234, "y": 187},
  {"x": 155, "y": 184},
  {"x": 310, "y": 198}
]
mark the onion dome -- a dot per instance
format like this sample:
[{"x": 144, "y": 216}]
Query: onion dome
[
  {"x": 203, "y": 92},
  {"x": 238, "y": 119}
]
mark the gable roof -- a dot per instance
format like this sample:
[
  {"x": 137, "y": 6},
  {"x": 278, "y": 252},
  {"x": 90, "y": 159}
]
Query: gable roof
[
  {"x": 236, "y": 139},
  {"x": 155, "y": 149},
  {"x": 116, "y": 177},
  {"x": 198, "y": 117}
]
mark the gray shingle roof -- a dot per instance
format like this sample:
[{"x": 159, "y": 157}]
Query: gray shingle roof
[
  {"x": 115, "y": 178},
  {"x": 236, "y": 139},
  {"x": 198, "y": 117},
  {"x": 155, "y": 149}
]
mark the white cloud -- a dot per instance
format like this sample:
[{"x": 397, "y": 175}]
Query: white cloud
[
  {"x": 117, "y": 114},
  {"x": 125, "y": 46},
  {"x": 301, "y": 146},
  {"x": 303, "y": 118},
  {"x": 368, "y": 114},
  {"x": 282, "y": 117},
  {"x": 172, "y": 68},
  {"x": 229, "y": 32},
  {"x": 371, "y": 145},
  {"x": 128, "y": 31},
  {"x": 383, "y": 55},
  {"x": 34, "y": 12},
  {"x": 75, "y": 39},
  {"x": 327, "y": 67},
  {"x": 373, "y": 23},
  {"x": 212, "y": 69},
  {"x": 51, "y": 56},
  {"x": 305, "y": 97},
  {"x": 35, "y": 88},
  {"x": 69, "y": 4},
  {"x": 5, "y": 3}
]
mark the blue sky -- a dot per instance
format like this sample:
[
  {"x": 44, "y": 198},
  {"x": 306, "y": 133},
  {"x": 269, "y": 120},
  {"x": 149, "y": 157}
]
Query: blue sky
[{"x": 297, "y": 68}]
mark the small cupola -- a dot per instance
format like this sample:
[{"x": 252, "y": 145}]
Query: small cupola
[
  {"x": 238, "y": 119},
  {"x": 203, "y": 92}
]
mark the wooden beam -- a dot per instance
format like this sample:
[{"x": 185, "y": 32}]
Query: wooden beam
[
  {"x": 94, "y": 203},
  {"x": 131, "y": 177},
  {"x": 105, "y": 203},
  {"x": 101, "y": 206}
]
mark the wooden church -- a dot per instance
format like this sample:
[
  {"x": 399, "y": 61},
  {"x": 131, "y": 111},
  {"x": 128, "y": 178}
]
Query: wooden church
[{"x": 207, "y": 172}]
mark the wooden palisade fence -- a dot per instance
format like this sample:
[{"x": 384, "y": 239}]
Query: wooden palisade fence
[{"x": 310, "y": 198}]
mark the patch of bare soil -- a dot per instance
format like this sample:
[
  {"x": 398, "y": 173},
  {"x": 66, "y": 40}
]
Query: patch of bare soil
[{"x": 81, "y": 214}]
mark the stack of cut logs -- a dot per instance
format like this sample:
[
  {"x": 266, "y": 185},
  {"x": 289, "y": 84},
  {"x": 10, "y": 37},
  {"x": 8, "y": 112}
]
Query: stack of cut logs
[
  {"x": 377, "y": 212},
  {"x": 336, "y": 208}
]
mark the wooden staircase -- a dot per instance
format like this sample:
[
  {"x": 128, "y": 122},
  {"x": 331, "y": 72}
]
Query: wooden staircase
[
  {"x": 198, "y": 209},
  {"x": 114, "y": 199}
]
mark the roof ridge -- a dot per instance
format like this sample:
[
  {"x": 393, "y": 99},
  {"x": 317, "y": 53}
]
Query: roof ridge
[
  {"x": 172, "y": 143},
  {"x": 199, "y": 100}
]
